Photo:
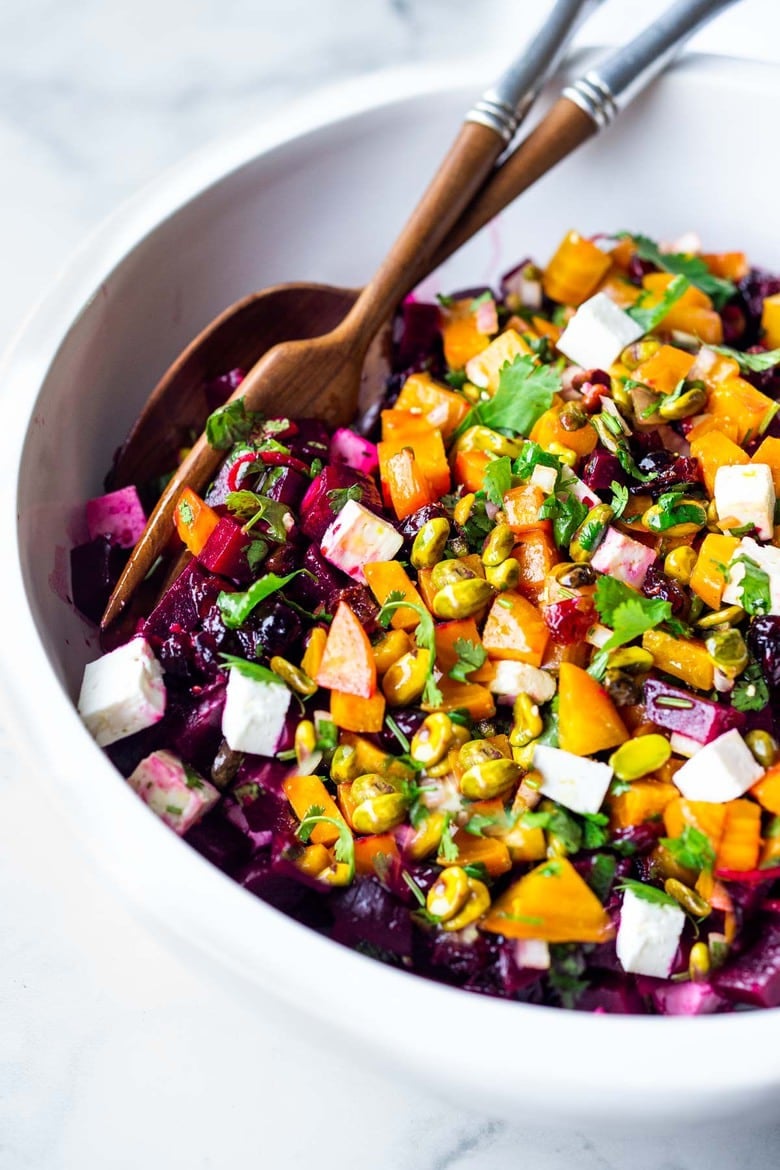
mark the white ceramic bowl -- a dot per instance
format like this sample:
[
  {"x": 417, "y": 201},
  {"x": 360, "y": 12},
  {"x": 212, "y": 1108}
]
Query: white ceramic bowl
[{"x": 319, "y": 194}]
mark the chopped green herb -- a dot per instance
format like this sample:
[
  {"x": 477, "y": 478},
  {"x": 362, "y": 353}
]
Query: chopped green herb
[
  {"x": 602, "y": 875},
  {"x": 471, "y": 655},
  {"x": 567, "y": 514},
  {"x": 253, "y": 670},
  {"x": 425, "y": 636},
  {"x": 696, "y": 270},
  {"x": 482, "y": 299},
  {"x": 647, "y": 318},
  {"x": 399, "y": 735},
  {"x": 754, "y": 363},
  {"x": 692, "y": 849},
  {"x": 344, "y": 849},
  {"x": 627, "y": 612},
  {"x": 251, "y": 508},
  {"x": 448, "y": 850},
  {"x": 338, "y": 498},
  {"x": 445, "y": 301},
  {"x": 185, "y": 511},
  {"x": 756, "y": 597},
  {"x": 619, "y": 501},
  {"x": 648, "y": 893},
  {"x": 525, "y": 392},
  {"x": 751, "y": 692},
  {"x": 498, "y": 479},
  {"x": 531, "y": 456},
  {"x": 229, "y": 424},
  {"x": 594, "y": 833},
  {"x": 236, "y": 607},
  {"x": 567, "y": 967},
  {"x": 456, "y": 378},
  {"x": 256, "y": 553}
]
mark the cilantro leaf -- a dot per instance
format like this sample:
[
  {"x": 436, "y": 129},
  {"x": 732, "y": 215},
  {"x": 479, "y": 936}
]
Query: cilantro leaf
[
  {"x": 236, "y": 607},
  {"x": 567, "y": 514},
  {"x": 756, "y": 597},
  {"x": 425, "y": 636},
  {"x": 344, "y": 849},
  {"x": 498, "y": 479},
  {"x": 602, "y": 875},
  {"x": 627, "y": 612},
  {"x": 256, "y": 553},
  {"x": 651, "y": 316},
  {"x": 253, "y": 670},
  {"x": 482, "y": 299},
  {"x": 525, "y": 392},
  {"x": 619, "y": 501},
  {"x": 471, "y": 655},
  {"x": 251, "y": 507},
  {"x": 679, "y": 263},
  {"x": 567, "y": 968},
  {"x": 448, "y": 850},
  {"x": 751, "y": 692},
  {"x": 648, "y": 893},
  {"x": 531, "y": 456},
  {"x": 478, "y": 822},
  {"x": 338, "y": 498},
  {"x": 229, "y": 424},
  {"x": 755, "y": 363},
  {"x": 594, "y": 833},
  {"x": 692, "y": 849}
]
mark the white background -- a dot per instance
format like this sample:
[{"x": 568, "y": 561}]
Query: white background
[{"x": 112, "y": 1055}]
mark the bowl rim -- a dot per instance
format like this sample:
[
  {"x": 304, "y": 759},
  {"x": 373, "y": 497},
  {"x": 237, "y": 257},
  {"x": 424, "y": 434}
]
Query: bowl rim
[{"x": 426, "y": 1008}]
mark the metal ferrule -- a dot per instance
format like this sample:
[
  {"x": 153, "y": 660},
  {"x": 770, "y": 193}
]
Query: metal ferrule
[
  {"x": 593, "y": 96},
  {"x": 496, "y": 115}
]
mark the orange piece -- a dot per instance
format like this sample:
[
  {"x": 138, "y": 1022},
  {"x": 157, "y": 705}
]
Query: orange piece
[
  {"x": 526, "y": 843},
  {"x": 442, "y": 409},
  {"x": 743, "y": 406},
  {"x": 686, "y": 660},
  {"x": 548, "y": 429},
  {"x": 708, "y": 422},
  {"x": 430, "y": 455},
  {"x": 347, "y": 662},
  {"x": 407, "y": 484},
  {"x": 575, "y": 270},
  {"x": 515, "y": 629},
  {"x": 353, "y": 713},
  {"x": 462, "y": 339},
  {"x": 484, "y": 370},
  {"x": 729, "y": 265},
  {"x": 401, "y": 425},
  {"x": 588, "y": 721},
  {"x": 769, "y": 453},
  {"x": 195, "y": 520},
  {"x": 664, "y": 369},
  {"x": 770, "y": 320},
  {"x": 708, "y": 818},
  {"x": 522, "y": 505},
  {"x": 708, "y": 579},
  {"x": 714, "y": 450},
  {"x": 306, "y": 792},
  {"x": 315, "y": 648},
  {"x": 741, "y": 841},
  {"x": 447, "y": 634},
  {"x": 469, "y": 469},
  {"x": 644, "y": 800},
  {"x": 386, "y": 577},
  {"x": 767, "y": 790},
  {"x": 473, "y": 698},
  {"x": 552, "y": 903},
  {"x": 369, "y": 851},
  {"x": 536, "y": 555},
  {"x": 487, "y": 851},
  {"x": 545, "y": 328}
]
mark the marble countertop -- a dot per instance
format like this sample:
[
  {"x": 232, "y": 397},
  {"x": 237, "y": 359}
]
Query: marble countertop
[{"x": 112, "y": 1054}]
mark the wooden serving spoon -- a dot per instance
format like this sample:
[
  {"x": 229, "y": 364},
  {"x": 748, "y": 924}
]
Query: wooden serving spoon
[{"x": 321, "y": 375}]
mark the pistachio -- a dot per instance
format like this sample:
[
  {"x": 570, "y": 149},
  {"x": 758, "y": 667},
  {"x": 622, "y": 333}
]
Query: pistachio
[
  {"x": 566, "y": 455},
  {"x": 463, "y": 508},
  {"x": 573, "y": 417},
  {"x": 639, "y": 351},
  {"x": 477, "y": 903},
  {"x": 680, "y": 563},
  {"x": 477, "y": 751},
  {"x": 305, "y": 740},
  {"x": 728, "y": 651},
  {"x": 683, "y": 405},
  {"x": 504, "y": 576},
  {"x": 699, "y": 962},
  {"x": 449, "y": 893},
  {"x": 432, "y": 740},
  {"x": 763, "y": 747},
  {"x": 427, "y": 836},
  {"x": 498, "y": 545},
  {"x": 689, "y": 899},
  {"x": 297, "y": 680},
  {"x": 430, "y": 542},
  {"x": 372, "y": 784},
  {"x": 462, "y": 599},
  {"x": 490, "y": 779},
  {"x": 379, "y": 814},
  {"x": 405, "y": 681},
  {"x": 730, "y": 615},
  {"x": 573, "y": 576},
  {"x": 527, "y": 723},
  {"x": 481, "y": 438},
  {"x": 591, "y": 532},
  {"x": 656, "y": 518},
  {"x": 344, "y": 766},
  {"x": 630, "y": 658},
  {"x": 448, "y": 572},
  {"x": 638, "y": 757}
]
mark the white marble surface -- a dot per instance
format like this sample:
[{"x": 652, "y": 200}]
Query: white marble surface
[{"x": 112, "y": 1055}]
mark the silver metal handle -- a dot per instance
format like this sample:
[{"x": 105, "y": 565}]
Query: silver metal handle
[
  {"x": 504, "y": 105},
  {"x": 609, "y": 88}
]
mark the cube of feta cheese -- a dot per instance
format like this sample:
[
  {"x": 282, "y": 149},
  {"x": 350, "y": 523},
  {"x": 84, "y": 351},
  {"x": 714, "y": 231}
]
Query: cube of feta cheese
[
  {"x": 533, "y": 953},
  {"x": 515, "y": 678},
  {"x": 357, "y": 537},
  {"x": 122, "y": 692},
  {"x": 767, "y": 557},
  {"x": 598, "y": 333},
  {"x": 576, "y": 783},
  {"x": 176, "y": 792},
  {"x": 721, "y": 770},
  {"x": 623, "y": 557},
  {"x": 545, "y": 478},
  {"x": 254, "y": 715},
  {"x": 648, "y": 935},
  {"x": 745, "y": 494}
]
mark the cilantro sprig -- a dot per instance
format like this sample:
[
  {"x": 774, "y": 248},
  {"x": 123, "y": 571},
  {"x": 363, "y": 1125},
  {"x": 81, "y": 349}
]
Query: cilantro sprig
[
  {"x": 627, "y": 613},
  {"x": 471, "y": 655},
  {"x": 650, "y": 316},
  {"x": 425, "y": 636},
  {"x": 682, "y": 264},
  {"x": 498, "y": 479},
  {"x": 230, "y": 423},
  {"x": 751, "y": 692},
  {"x": 648, "y": 893},
  {"x": 692, "y": 849},
  {"x": 754, "y": 363},
  {"x": 338, "y": 498},
  {"x": 344, "y": 848},
  {"x": 251, "y": 508},
  {"x": 253, "y": 670},
  {"x": 236, "y": 607},
  {"x": 525, "y": 392}
]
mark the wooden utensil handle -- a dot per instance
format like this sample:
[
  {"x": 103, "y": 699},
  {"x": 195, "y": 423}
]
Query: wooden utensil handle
[{"x": 562, "y": 130}]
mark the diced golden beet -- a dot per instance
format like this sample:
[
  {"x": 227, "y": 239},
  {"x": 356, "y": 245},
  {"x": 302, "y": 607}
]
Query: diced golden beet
[
  {"x": 664, "y": 369},
  {"x": 744, "y": 406},
  {"x": 728, "y": 265},
  {"x": 442, "y": 409},
  {"x": 769, "y": 453},
  {"x": 770, "y": 321},
  {"x": 484, "y": 370},
  {"x": 588, "y": 721},
  {"x": 712, "y": 367},
  {"x": 708, "y": 422},
  {"x": 471, "y": 697},
  {"x": 767, "y": 791},
  {"x": 306, "y": 792},
  {"x": 487, "y": 851},
  {"x": 619, "y": 289},
  {"x": 526, "y": 843},
  {"x": 522, "y": 505},
  {"x": 741, "y": 841},
  {"x": 447, "y": 634},
  {"x": 699, "y": 814},
  {"x": 462, "y": 339},
  {"x": 356, "y": 714},
  {"x": 386, "y": 577},
  {"x": 469, "y": 469},
  {"x": 315, "y": 648},
  {"x": 708, "y": 579},
  {"x": 552, "y": 903},
  {"x": 515, "y": 629},
  {"x": 429, "y": 454},
  {"x": 370, "y": 852},
  {"x": 403, "y": 424},
  {"x": 548, "y": 429},
  {"x": 536, "y": 554},
  {"x": 643, "y": 801},
  {"x": 688, "y": 661},
  {"x": 658, "y": 282},
  {"x": 714, "y": 450},
  {"x": 575, "y": 271}
]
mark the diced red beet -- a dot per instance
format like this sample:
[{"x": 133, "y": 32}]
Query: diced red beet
[
  {"x": 285, "y": 485},
  {"x": 220, "y": 841},
  {"x": 310, "y": 441},
  {"x": 600, "y": 470},
  {"x": 195, "y": 730},
  {"x": 95, "y": 568},
  {"x": 220, "y": 488},
  {"x": 366, "y": 912},
  {"x": 186, "y": 602},
  {"x": 678, "y": 710},
  {"x": 569, "y": 621},
  {"x": 225, "y": 551},
  {"x": 417, "y": 332},
  {"x": 348, "y": 447},
  {"x": 754, "y": 976},
  {"x": 614, "y": 994},
  {"x": 317, "y": 512},
  {"x": 412, "y": 524},
  {"x": 681, "y": 999},
  {"x": 218, "y": 390}
]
